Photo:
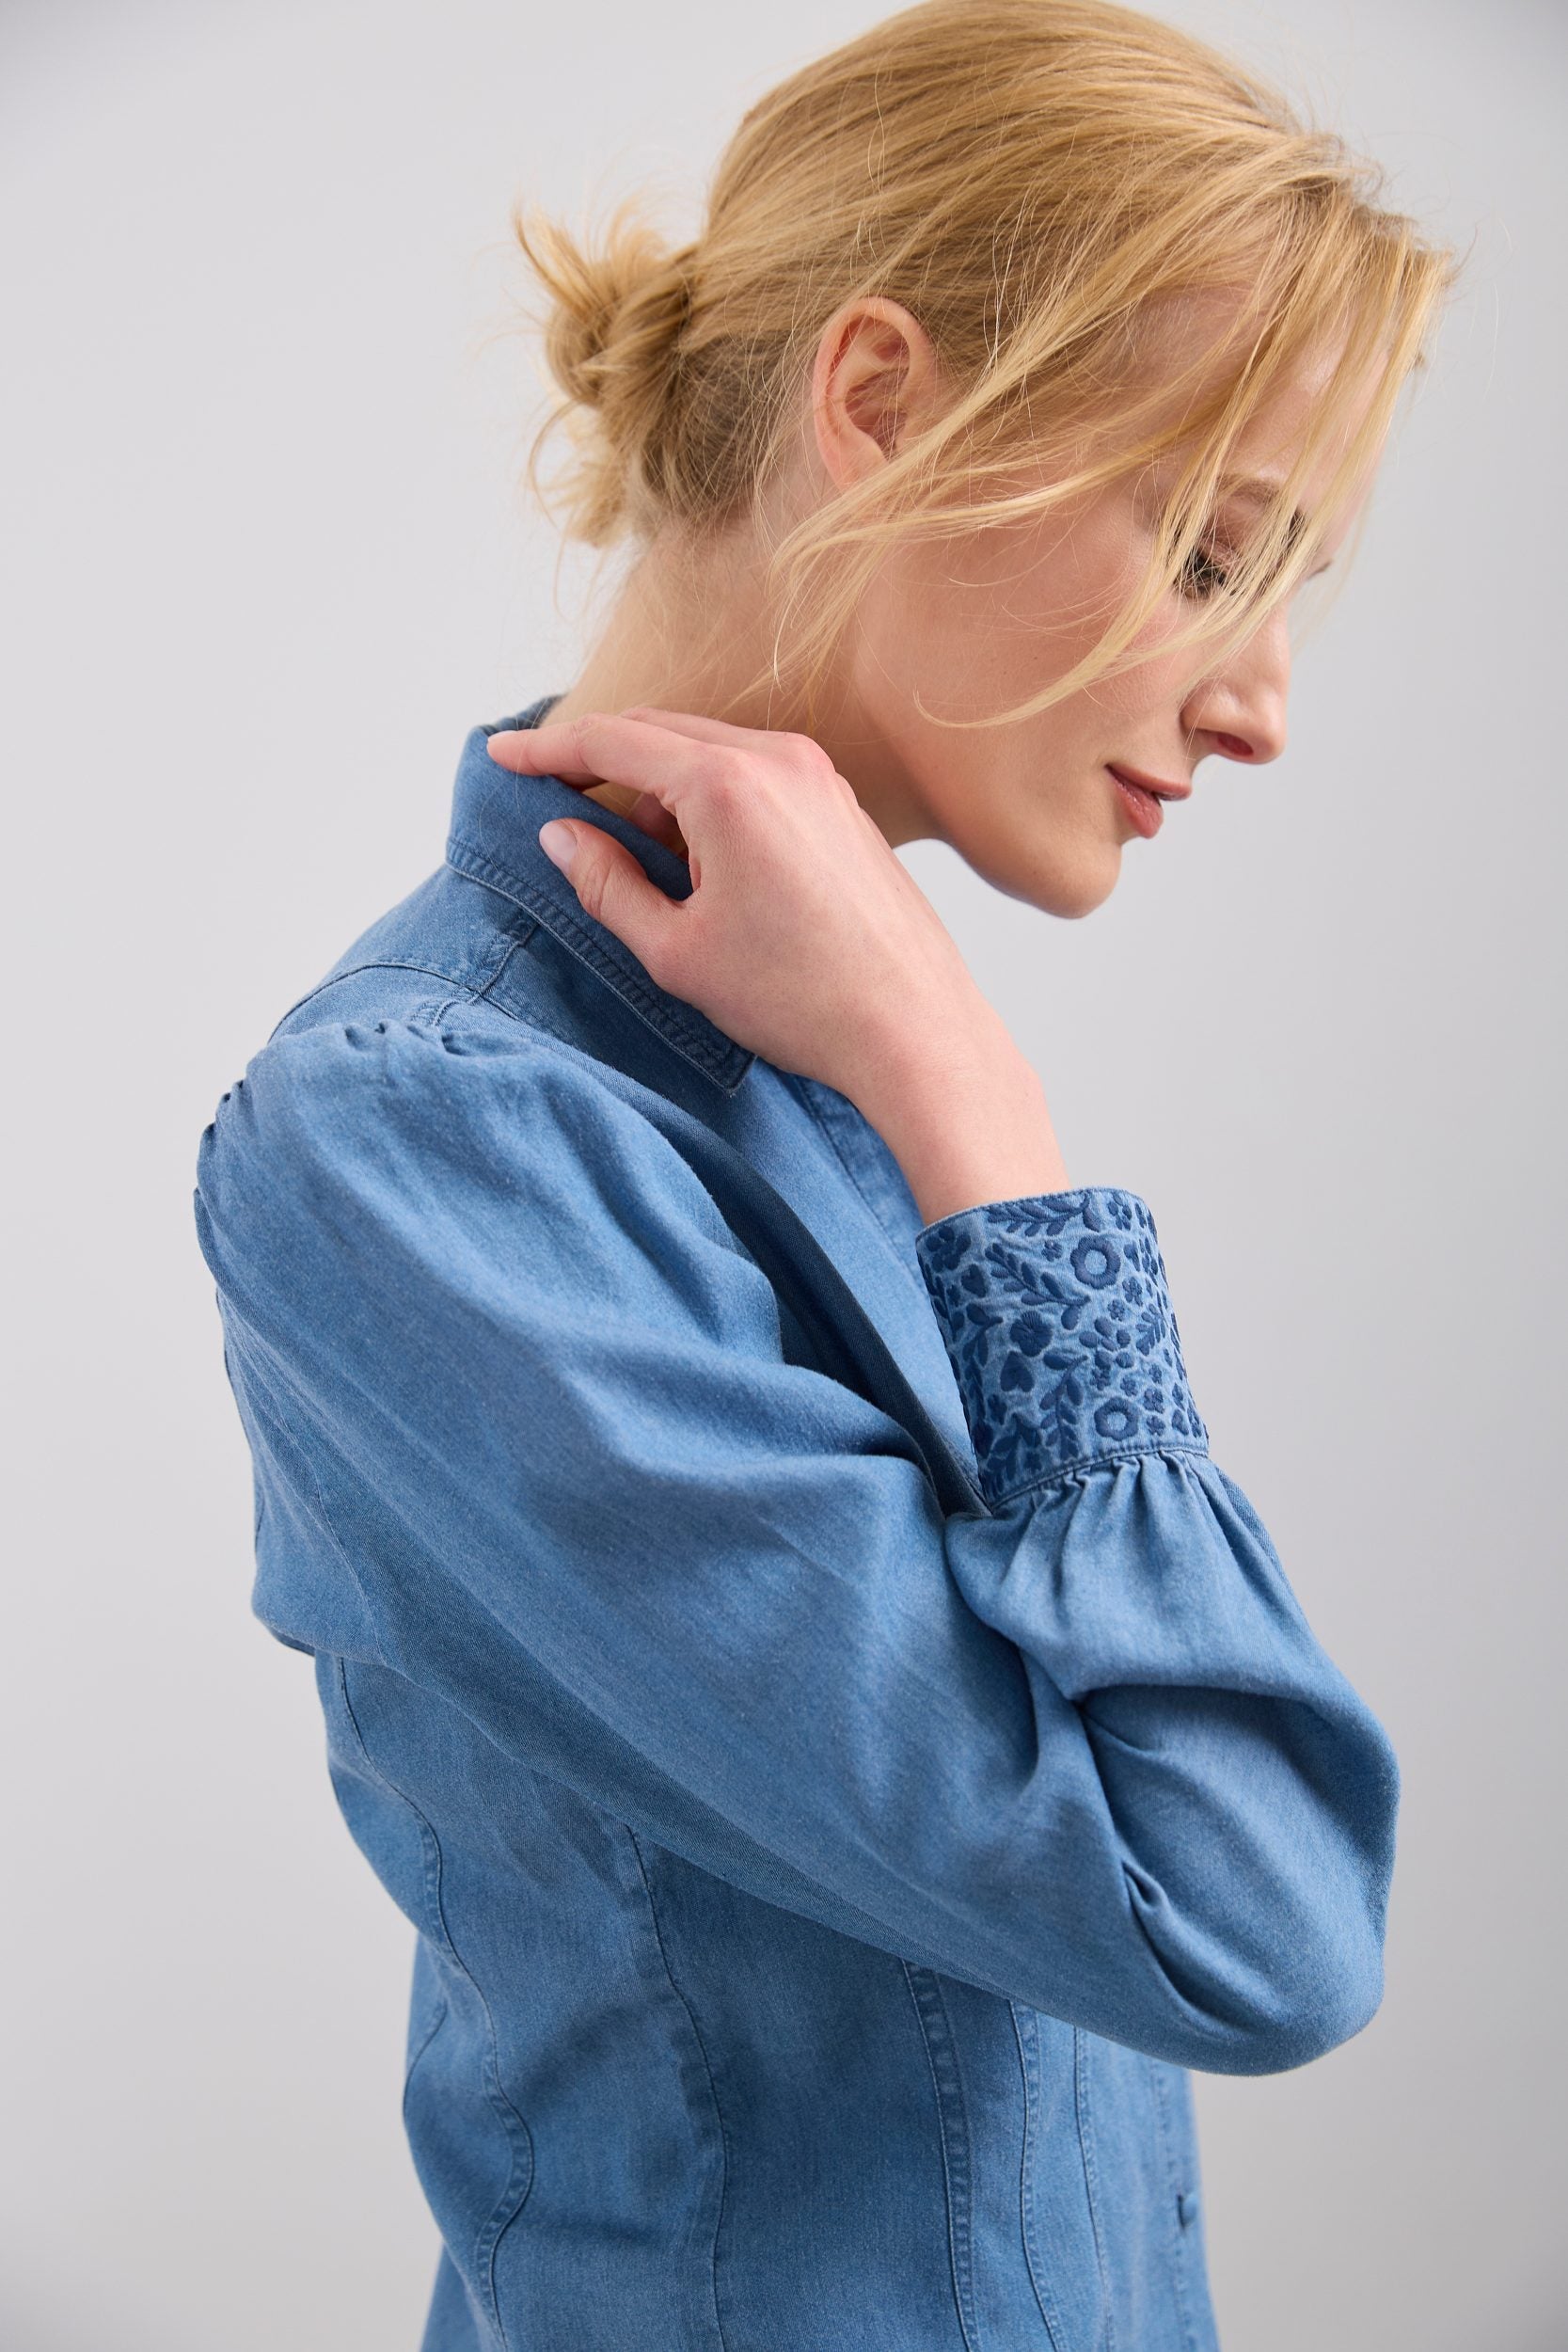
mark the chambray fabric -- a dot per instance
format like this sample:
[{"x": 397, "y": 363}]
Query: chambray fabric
[{"x": 845, "y": 1745}]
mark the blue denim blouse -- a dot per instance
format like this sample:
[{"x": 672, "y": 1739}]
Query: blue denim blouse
[{"x": 846, "y": 1747}]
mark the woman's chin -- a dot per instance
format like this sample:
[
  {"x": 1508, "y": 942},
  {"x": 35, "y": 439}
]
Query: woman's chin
[
  {"x": 1092, "y": 890},
  {"x": 1069, "y": 889}
]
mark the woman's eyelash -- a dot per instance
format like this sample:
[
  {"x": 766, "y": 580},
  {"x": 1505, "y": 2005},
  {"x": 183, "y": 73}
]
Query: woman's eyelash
[{"x": 1201, "y": 575}]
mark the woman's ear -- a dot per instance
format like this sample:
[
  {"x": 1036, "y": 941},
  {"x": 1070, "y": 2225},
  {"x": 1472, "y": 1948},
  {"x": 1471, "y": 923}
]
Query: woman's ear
[{"x": 874, "y": 374}]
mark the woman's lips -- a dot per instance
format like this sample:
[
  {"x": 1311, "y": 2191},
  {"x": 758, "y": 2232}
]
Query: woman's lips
[{"x": 1143, "y": 808}]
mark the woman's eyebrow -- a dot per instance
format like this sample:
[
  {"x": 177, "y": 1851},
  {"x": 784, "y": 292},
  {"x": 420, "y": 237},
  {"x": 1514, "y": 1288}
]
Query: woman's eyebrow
[{"x": 1259, "y": 489}]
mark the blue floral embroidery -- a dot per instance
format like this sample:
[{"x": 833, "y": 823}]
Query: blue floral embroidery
[{"x": 1060, "y": 1330}]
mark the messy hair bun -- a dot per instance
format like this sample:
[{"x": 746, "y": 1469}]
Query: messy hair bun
[{"x": 612, "y": 345}]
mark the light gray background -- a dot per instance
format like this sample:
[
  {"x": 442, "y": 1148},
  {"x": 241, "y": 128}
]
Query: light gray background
[{"x": 267, "y": 562}]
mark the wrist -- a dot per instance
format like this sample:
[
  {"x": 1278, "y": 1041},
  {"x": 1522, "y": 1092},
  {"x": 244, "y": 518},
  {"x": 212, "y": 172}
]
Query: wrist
[
  {"x": 967, "y": 1123},
  {"x": 923, "y": 1066}
]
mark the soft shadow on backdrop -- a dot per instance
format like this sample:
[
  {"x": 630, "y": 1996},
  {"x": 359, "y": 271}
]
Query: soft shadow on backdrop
[{"x": 265, "y": 564}]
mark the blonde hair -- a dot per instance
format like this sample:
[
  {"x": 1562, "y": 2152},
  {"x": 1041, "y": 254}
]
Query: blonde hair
[{"x": 1034, "y": 179}]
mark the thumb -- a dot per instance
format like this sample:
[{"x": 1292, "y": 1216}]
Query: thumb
[{"x": 611, "y": 886}]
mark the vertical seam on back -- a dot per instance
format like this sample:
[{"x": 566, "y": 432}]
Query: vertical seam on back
[
  {"x": 509, "y": 2206},
  {"x": 1026, "y": 2173},
  {"x": 959, "y": 2249},
  {"x": 707, "y": 2069},
  {"x": 1091, "y": 2174}
]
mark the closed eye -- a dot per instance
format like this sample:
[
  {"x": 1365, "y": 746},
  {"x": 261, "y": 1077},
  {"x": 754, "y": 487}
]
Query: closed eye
[{"x": 1202, "y": 574}]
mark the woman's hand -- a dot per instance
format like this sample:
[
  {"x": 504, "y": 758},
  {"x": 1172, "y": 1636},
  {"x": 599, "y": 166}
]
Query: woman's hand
[{"x": 804, "y": 937}]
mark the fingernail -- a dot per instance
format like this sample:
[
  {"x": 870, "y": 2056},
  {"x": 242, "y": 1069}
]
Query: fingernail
[
  {"x": 558, "y": 843},
  {"x": 506, "y": 735}
]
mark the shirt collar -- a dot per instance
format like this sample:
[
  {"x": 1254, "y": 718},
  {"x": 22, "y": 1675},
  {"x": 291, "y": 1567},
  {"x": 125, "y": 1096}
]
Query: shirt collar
[{"x": 495, "y": 817}]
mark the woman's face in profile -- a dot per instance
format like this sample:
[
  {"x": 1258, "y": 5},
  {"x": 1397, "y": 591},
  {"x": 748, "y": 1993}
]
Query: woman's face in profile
[{"x": 975, "y": 626}]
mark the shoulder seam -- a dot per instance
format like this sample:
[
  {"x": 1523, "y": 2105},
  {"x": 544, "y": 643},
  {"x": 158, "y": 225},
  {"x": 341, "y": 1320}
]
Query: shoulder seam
[{"x": 380, "y": 964}]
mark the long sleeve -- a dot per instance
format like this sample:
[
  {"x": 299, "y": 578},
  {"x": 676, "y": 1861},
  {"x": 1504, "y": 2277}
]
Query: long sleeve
[{"x": 506, "y": 1365}]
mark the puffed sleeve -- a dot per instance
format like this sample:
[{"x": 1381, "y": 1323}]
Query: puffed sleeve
[{"x": 524, "y": 1421}]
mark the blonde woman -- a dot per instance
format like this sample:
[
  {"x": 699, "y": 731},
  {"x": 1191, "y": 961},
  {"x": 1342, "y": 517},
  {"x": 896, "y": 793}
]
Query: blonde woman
[{"x": 846, "y": 1745}]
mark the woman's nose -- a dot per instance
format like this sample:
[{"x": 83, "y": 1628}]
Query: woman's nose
[{"x": 1242, "y": 708}]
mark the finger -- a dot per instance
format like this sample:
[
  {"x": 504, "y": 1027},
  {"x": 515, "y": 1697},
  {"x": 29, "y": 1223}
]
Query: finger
[
  {"x": 604, "y": 747},
  {"x": 646, "y": 813},
  {"x": 612, "y": 887},
  {"x": 541, "y": 751},
  {"x": 697, "y": 724},
  {"x": 511, "y": 749}
]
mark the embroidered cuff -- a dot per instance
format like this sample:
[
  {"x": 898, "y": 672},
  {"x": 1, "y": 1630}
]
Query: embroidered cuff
[{"x": 1060, "y": 1331}]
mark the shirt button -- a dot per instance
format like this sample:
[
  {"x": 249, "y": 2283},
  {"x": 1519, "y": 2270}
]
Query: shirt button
[{"x": 1186, "y": 2206}]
